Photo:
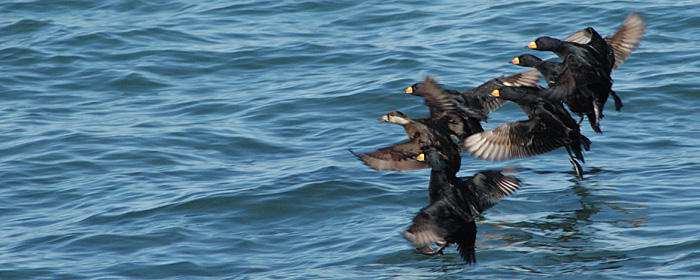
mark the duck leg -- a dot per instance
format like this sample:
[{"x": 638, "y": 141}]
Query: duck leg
[
  {"x": 442, "y": 247},
  {"x": 577, "y": 166},
  {"x": 618, "y": 101},
  {"x": 426, "y": 250},
  {"x": 597, "y": 109},
  {"x": 594, "y": 124}
]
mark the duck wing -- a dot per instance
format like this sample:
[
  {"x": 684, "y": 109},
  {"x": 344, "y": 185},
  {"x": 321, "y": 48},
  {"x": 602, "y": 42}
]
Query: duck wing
[
  {"x": 516, "y": 140},
  {"x": 627, "y": 38},
  {"x": 489, "y": 187},
  {"x": 399, "y": 157}
]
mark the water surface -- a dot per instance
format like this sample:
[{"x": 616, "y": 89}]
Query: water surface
[{"x": 165, "y": 139}]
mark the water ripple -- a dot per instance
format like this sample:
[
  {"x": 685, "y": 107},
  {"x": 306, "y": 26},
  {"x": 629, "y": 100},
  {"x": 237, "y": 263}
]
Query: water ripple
[{"x": 143, "y": 139}]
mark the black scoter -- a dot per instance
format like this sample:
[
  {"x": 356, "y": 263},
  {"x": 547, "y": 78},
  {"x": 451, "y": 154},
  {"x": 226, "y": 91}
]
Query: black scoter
[{"x": 454, "y": 204}]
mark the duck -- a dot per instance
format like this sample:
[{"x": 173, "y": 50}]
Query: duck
[
  {"x": 615, "y": 49},
  {"x": 588, "y": 60},
  {"x": 579, "y": 103},
  {"x": 437, "y": 131},
  {"x": 455, "y": 203},
  {"x": 549, "y": 126},
  {"x": 584, "y": 72}
]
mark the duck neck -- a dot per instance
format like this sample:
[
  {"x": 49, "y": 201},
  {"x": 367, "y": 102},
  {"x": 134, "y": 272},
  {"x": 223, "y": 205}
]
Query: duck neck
[{"x": 440, "y": 180}]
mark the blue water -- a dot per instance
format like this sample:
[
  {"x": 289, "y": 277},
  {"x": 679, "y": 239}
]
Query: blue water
[{"x": 164, "y": 139}]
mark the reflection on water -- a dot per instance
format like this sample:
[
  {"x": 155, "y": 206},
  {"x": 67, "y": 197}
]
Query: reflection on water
[{"x": 565, "y": 237}]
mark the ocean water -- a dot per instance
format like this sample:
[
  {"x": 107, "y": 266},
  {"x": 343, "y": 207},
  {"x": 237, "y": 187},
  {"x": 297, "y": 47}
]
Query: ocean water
[{"x": 209, "y": 140}]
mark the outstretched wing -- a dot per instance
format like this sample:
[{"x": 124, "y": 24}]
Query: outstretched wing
[
  {"x": 514, "y": 140},
  {"x": 489, "y": 187},
  {"x": 627, "y": 38},
  {"x": 399, "y": 157}
]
